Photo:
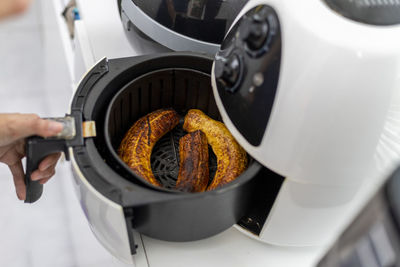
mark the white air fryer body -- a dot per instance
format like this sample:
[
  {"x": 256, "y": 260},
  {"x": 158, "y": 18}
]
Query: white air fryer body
[
  {"x": 335, "y": 120},
  {"x": 106, "y": 218}
]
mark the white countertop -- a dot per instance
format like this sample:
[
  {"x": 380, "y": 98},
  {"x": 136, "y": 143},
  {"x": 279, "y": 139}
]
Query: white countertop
[{"x": 230, "y": 248}]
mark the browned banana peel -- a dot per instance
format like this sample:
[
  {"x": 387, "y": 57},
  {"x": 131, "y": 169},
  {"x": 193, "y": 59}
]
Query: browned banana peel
[
  {"x": 231, "y": 157},
  {"x": 193, "y": 167},
  {"x": 136, "y": 146}
]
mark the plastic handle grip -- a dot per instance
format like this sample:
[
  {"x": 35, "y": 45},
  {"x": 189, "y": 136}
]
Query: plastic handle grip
[{"x": 37, "y": 148}]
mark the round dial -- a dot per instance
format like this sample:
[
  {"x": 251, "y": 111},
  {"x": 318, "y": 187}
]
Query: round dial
[
  {"x": 256, "y": 33},
  {"x": 227, "y": 71}
]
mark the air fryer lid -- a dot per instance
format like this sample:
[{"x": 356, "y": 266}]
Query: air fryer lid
[
  {"x": 369, "y": 12},
  {"x": 202, "y": 20},
  {"x": 246, "y": 72}
]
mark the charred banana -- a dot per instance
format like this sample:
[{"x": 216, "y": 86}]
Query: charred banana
[
  {"x": 231, "y": 157},
  {"x": 193, "y": 168},
  {"x": 136, "y": 146}
]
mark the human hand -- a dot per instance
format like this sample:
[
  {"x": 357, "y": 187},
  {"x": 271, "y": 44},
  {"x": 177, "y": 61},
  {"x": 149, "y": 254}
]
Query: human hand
[
  {"x": 11, "y": 7},
  {"x": 14, "y": 128}
]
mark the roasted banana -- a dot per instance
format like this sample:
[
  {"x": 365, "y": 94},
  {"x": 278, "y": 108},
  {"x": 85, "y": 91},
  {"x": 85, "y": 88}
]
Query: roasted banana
[
  {"x": 193, "y": 167},
  {"x": 136, "y": 146},
  {"x": 231, "y": 157}
]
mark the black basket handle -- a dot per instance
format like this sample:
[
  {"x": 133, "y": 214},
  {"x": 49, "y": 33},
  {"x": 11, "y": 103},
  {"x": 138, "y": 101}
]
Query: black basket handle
[{"x": 37, "y": 148}]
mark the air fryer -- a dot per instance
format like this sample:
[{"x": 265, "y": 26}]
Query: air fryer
[{"x": 298, "y": 108}]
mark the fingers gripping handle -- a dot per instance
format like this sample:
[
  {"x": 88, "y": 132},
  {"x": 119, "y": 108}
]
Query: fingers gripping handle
[{"x": 37, "y": 148}]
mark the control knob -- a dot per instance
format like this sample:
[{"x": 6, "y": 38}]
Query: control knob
[
  {"x": 256, "y": 32},
  {"x": 227, "y": 71}
]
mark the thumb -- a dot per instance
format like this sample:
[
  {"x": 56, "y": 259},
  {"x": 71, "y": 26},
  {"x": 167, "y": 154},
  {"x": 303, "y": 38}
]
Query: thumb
[{"x": 23, "y": 125}]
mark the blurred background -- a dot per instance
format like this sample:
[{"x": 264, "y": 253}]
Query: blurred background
[{"x": 34, "y": 78}]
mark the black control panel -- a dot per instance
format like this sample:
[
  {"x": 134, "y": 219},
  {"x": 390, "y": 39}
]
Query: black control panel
[{"x": 247, "y": 71}]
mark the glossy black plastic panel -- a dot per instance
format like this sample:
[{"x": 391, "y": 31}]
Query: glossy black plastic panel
[
  {"x": 247, "y": 71},
  {"x": 375, "y": 12},
  {"x": 199, "y": 19}
]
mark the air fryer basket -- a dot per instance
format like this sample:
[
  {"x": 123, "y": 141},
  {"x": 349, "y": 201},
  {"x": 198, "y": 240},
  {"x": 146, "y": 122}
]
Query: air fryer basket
[
  {"x": 116, "y": 93},
  {"x": 181, "y": 89}
]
